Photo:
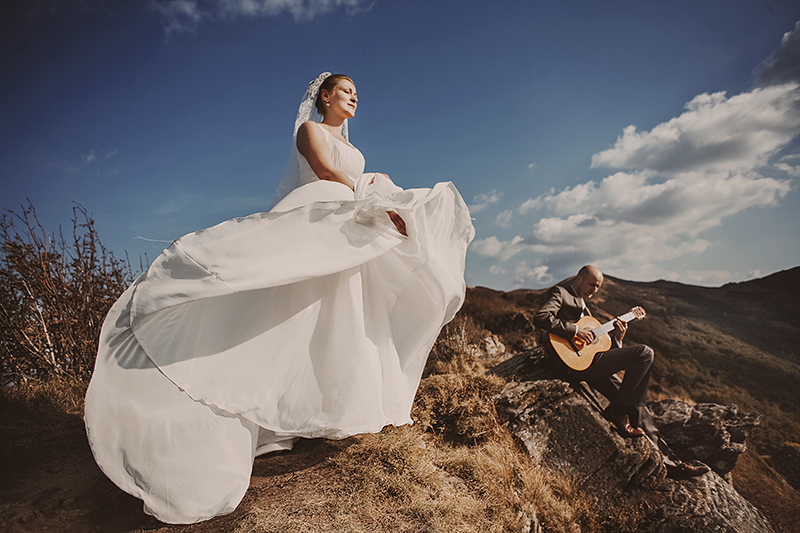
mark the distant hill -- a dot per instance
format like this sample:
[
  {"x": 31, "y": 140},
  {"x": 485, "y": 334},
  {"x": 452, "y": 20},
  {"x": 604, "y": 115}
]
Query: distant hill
[{"x": 731, "y": 344}]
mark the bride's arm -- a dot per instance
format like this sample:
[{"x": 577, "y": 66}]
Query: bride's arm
[{"x": 311, "y": 142}]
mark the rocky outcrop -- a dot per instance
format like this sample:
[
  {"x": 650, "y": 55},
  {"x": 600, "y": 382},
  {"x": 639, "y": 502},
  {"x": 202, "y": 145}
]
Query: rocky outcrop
[
  {"x": 712, "y": 433},
  {"x": 563, "y": 431},
  {"x": 702, "y": 505}
]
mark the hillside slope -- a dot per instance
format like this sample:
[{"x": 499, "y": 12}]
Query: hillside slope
[{"x": 732, "y": 344}]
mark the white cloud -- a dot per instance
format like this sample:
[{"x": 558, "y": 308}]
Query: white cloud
[
  {"x": 785, "y": 164},
  {"x": 629, "y": 222},
  {"x": 528, "y": 275},
  {"x": 234, "y": 205},
  {"x": 482, "y": 201},
  {"x": 176, "y": 203},
  {"x": 715, "y": 133},
  {"x": 793, "y": 171},
  {"x": 530, "y": 204},
  {"x": 503, "y": 220},
  {"x": 494, "y": 269},
  {"x": 686, "y": 204},
  {"x": 502, "y": 250},
  {"x": 185, "y": 15},
  {"x": 685, "y": 176},
  {"x": 299, "y": 9}
]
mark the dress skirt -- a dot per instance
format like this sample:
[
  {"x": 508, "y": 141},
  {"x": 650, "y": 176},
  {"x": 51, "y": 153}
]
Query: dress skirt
[{"x": 312, "y": 320}]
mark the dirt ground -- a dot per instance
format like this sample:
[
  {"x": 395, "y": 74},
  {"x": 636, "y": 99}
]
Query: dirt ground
[{"x": 50, "y": 482}]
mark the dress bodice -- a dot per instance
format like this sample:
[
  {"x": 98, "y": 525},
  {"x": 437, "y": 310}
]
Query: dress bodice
[{"x": 344, "y": 156}]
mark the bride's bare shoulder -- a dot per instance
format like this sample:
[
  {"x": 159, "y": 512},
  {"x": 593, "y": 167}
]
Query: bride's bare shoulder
[
  {"x": 308, "y": 126},
  {"x": 309, "y": 130},
  {"x": 311, "y": 137}
]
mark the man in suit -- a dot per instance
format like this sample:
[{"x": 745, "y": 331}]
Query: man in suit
[{"x": 562, "y": 308}]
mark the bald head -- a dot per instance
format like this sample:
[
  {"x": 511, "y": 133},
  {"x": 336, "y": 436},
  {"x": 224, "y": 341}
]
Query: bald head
[
  {"x": 588, "y": 281},
  {"x": 590, "y": 270}
]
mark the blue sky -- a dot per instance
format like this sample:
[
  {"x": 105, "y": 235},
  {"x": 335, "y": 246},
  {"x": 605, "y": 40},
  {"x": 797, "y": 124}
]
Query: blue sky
[{"x": 659, "y": 140}]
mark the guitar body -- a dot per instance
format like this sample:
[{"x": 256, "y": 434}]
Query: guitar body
[{"x": 584, "y": 356}]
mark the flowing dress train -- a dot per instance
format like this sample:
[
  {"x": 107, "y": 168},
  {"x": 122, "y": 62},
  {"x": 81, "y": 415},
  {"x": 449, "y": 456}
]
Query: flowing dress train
[{"x": 311, "y": 320}]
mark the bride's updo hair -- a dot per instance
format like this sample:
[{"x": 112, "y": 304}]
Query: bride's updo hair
[{"x": 328, "y": 85}]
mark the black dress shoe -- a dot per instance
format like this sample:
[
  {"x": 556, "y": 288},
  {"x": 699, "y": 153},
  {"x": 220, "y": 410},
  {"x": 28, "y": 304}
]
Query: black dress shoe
[
  {"x": 685, "y": 471},
  {"x": 622, "y": 423}
]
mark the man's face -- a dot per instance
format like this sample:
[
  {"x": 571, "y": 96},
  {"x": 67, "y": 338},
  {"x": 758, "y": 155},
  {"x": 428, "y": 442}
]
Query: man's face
[{"x": 587, "y": 285}]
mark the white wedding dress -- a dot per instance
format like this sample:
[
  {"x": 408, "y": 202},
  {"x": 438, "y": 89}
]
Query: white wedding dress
[{"x": 312, "y": 320}]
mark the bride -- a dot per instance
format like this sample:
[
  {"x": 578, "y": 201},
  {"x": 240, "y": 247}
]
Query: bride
[{"x": 311, "y": 320}]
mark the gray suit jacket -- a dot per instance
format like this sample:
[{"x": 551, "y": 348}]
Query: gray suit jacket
[{"x": 559, "y": 312}]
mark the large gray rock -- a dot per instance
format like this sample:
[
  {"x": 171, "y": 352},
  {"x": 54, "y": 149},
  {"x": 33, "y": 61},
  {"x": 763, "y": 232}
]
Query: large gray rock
[
  {"x": 702, "y": 505},
  {"x": 712, "y": 433},
  {"x": 564, "y": 432}
]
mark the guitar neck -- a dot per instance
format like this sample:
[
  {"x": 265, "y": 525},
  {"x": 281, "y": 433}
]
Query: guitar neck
[{"x": 608, "y": 326}]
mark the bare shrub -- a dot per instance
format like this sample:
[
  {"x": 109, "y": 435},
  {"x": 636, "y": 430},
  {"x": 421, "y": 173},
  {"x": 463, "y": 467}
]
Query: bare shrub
[{"x": 54, "y": 294}]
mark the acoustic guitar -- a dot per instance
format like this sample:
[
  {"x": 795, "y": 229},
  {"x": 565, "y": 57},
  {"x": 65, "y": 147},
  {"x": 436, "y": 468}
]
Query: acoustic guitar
[{"x": 578, "y": 355}]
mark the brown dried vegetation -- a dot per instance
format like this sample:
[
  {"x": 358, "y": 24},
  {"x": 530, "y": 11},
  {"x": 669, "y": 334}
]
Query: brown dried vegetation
[{"x": 54, "y": 295}]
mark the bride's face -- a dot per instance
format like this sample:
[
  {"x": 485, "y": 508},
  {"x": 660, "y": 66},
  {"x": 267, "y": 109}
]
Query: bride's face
[{"x": 343, "y": 100}]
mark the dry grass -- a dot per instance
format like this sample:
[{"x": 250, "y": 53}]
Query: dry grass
[
  {"x": 458, "y": 350},
  {"x": 458, "y": 407},
  {"x": 404, "y": 480},
  {"x": 457, "y": 469},
  {"x": 765, "y": 488}
]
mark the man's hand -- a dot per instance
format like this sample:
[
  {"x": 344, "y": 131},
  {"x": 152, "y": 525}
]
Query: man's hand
[
  {"x": 620, "y": 328},
  {"x": 585, "y": 334}
]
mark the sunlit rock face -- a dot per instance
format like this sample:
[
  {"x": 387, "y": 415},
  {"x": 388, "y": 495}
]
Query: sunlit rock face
[{"x": 563, "y": 431}]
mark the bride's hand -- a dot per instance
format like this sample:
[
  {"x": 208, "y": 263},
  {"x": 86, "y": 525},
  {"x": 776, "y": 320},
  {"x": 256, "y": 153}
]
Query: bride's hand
[
  {"x": 372, "y": 181},
  {"x": 399, "y": 223}
]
